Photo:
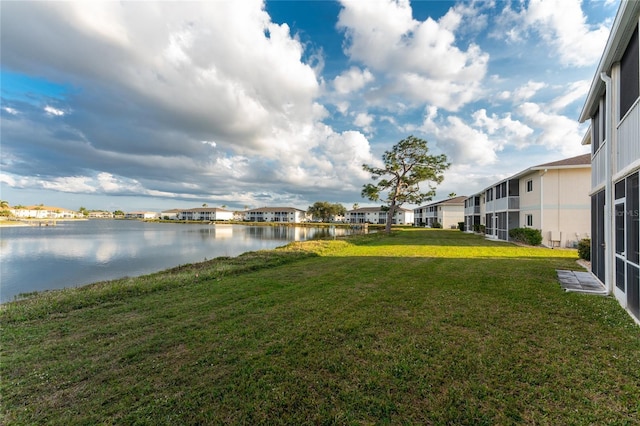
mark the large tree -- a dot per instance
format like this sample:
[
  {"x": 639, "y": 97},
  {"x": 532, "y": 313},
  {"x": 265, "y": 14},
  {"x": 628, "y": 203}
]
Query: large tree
[
  {"x": 325, "y": 211},
  {"x": 406, "y": 166}
]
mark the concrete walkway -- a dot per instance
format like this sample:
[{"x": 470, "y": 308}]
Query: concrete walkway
[{"x": 580, "y": 282}]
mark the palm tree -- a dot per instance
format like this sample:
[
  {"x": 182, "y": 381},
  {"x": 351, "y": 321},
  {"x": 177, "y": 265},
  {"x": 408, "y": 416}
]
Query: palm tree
[
  {"x": 4, "y": 208},
  {"x": 451, "y": 195},
  {"x": 355, "y": 206},
  {"x": 205, "y": 205}
]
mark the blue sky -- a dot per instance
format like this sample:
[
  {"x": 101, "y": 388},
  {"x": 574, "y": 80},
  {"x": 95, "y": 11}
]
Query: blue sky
[{"x": 159, "y": 105}]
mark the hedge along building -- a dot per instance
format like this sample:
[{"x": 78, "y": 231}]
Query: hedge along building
[
  {"x": 614, "y": 135},
  {"x": 552, "y": 197}
]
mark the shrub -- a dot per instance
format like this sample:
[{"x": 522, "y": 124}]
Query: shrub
[
  {"x": 482, "y": 228},
  {"x": 584, "y": 249},
  {"x": 530, "y": 236},
  {"x": 461, "y": 226},
  {"x": 436, "y": 225}
]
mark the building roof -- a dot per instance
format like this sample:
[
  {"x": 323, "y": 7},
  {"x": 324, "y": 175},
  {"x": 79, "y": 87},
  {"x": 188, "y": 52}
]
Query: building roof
[
  {"x": 205, "y": 209},
  {"x": 375, "y": 210},
  {"x": 274, "y": 209},
  {"x": 47, "y": 208},
  {"x": 455, "y": 201},
  {"x": 580, "y": 160}
]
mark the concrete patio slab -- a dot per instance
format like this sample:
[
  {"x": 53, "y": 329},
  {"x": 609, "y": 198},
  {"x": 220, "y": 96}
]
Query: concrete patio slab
[{"x": 580, "y": 282}]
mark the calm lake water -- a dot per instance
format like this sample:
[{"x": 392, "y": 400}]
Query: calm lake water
[{"x": 75, "y": 253}]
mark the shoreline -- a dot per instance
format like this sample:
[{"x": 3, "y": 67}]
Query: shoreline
[{"x": 32, "y": 222}]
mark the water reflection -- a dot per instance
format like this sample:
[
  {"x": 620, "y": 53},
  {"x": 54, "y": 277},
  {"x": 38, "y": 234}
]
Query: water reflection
[{"x": 76, "y": 253}]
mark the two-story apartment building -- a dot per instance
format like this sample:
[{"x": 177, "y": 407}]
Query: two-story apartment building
[
  {"x": 377, "y": 215},
  {"x": 276, "y": 214},
  {"x": 100, "y": 215},
  {"x": 613, "y": 109},
  {"x": 141, "y": 215},
  {"x": 474, "y": 213},
  {"x": 446, "y": 212},
  {"x": 552, "y": 197},
  {"x": 44, "y": 212},
  {"x": 209, "y": 214},
  {"x": 171, "y": 214}
]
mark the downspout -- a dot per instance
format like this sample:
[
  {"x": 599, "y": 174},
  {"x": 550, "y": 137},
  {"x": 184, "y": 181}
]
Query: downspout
[
  {"x": 608, "y": 204},
  {"x": 542, "y": 203}
]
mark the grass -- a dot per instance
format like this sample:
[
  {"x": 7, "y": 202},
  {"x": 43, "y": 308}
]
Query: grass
[{"x": 420, "y": 327}]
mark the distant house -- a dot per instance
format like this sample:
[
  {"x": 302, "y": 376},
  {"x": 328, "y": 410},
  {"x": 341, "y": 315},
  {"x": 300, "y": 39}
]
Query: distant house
[
  {"x": 446, "y": 212},
  {"x": 276, "y": 214},
  {"x": 205, "y": 214},
  {"x": 44, "y": 212},
  {"x": 239, "y": 215},
  {"x": 613, "y": 109},
  {"x": 100, "y": 215},
  {"x": 141, "y": 215},
  {"x": 171, "y": 214},
  {"x": 377, "y": 215}
]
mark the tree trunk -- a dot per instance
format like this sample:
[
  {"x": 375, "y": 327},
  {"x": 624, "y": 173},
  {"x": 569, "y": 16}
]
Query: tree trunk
[{"x": 390, "y": 213}]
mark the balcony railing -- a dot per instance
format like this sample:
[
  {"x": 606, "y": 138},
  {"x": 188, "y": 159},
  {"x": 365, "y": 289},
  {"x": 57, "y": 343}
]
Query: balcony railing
[
  {"x": 502, "y": 204},
  {"x": 598, "y": 166},
  {"x": 628, "y": 136},
  {"x": 471, "y": 210}
]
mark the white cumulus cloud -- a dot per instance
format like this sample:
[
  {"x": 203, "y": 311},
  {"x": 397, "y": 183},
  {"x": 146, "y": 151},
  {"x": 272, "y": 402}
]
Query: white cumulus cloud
[{"x": 418, "y": 60}]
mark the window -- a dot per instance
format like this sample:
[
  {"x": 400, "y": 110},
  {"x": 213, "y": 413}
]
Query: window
[
  {"x": 619, "y": 189},
  {"x": 490, "y": 194},
  {"x": 633, "y": 219},
  {"x": 529, "y": 220},
  {"x": 629, "y": 77},
  {"x": 620, "y": 278},
  {"x": 530, "y": 185},
  {"x": 597, "y": 234},
  {"x": 619, "y": 227},
  {"x": 514, "y": 188},
  {"x": 595, "y": 126}
]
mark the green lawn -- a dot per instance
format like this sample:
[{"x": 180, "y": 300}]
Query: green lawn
[{"x": 420, "y": 327}]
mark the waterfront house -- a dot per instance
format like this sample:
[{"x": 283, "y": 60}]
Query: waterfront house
[
  {"x": 44, "y": 212},
  {"x": 613, "y": 111},
  {"x": 209, "y": 214},
  {"x": 276, "y": 214},
  {"x": 171, "y": 214},
  {"x": 100, "y": 215},
  {"x": 446, "y": 212},
  {"x": 377, "y": 215},
  {"x": 141, "y": 215}
]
